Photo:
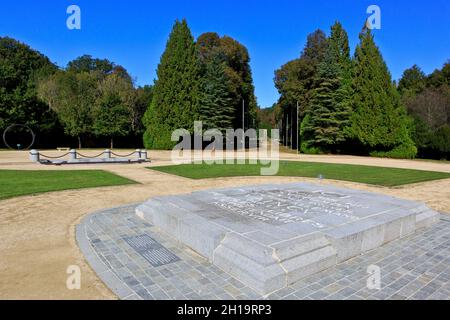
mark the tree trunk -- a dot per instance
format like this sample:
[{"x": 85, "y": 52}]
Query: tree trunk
[
  {"x": 112, "y": 143},
  {"x": 79, "y": 142}
]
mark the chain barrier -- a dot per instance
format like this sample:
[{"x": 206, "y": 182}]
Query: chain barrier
[
  {"x": 56, "y": 157},
  {"x": 90, "y": 157},
  {"x": 123, "y": 156}
]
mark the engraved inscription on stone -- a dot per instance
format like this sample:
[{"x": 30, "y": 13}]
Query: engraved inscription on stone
[
  {"x": 151, "y": 250},
  {"x": 279, "y": 207}
]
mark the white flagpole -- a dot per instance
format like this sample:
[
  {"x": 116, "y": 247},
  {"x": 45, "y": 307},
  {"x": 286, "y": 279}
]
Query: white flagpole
[
  {"x": 243, "y": 114},
  {"x": 243, "y": 123}
]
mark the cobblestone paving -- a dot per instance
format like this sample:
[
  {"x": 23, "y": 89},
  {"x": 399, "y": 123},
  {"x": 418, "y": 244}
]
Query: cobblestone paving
[{"x": 415, "y": 267}]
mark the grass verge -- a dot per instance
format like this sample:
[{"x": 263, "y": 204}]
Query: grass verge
[
  {"x": 15, "y": 183},
  {"x": 388, "y": 177}
]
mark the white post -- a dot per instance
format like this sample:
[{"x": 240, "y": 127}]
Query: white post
[
  {"x": 107, "y": 153},
  {"x": 34, "y": 155},
  {"x": 287, "y": 129},
  {"x": 243, "y": 123},
  {"x": 138, "y": 153},
  {"x": 243, "y": 115},
  {"x": 292, "y": 132},
  {"x": 72, "y": 154},
  {"x": 297, "y": 135}
]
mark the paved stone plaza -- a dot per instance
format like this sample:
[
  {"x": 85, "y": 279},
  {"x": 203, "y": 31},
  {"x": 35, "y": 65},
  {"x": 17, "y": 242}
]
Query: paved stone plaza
[
  {"x": 115, "y": 241},
  {"x": 270, "y": 236}
]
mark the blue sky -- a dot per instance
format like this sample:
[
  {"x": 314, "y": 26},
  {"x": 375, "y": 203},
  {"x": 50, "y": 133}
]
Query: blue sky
[{"x": 134, "y": 33}]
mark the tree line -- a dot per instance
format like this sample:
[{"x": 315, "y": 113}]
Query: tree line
[
  {"x": 333, "y": 102},
  {"x": 90, "y": 99},
  {"x": 94, "y": 99},
  {"x": 427, "y": 100},
  {"x": 209, "y": 80}
]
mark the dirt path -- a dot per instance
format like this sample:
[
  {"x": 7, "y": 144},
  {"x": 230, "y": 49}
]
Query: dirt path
[{"x": 37, "y": 232}]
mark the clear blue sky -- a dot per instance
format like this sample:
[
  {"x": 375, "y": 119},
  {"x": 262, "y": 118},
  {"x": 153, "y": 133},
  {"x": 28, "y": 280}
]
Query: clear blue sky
[{"x": 134, "y": 33}]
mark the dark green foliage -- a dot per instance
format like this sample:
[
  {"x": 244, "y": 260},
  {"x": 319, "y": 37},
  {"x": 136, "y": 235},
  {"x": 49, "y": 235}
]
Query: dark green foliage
[
  {"x": 296, "y": 83},
  {"x": 440, "y": 141},
  {"x": 330, "y": 109},
  {"x": 421, "y": 134},
  {"x": 413, "y": 82},
  {"x": 71, "y": 95},
  {"x": 236, "y": 64},
  {"x": 204, "y": 81},
  {"x": 175, "y": 102},
  {"x": 53, "y": 102},
  {"x": 94, "y": 102},
  {"x": 103, "y": 67},
  {"x": 379, "y": 120},
  {"x": 340, "y": 49},
  {"x": 427, "y": 99},
  {"x": 111, "y": 115},
  {"x": 292, "y": 81},
  {"x": 345, "y": 105},
  {"x": 144, "y": 96},
  {"x": 20, "y": 69},
  {"x": 316, "y": 46},
  {"x": 406, "y": 150},
  {"x": 86, "y": 63},
  {"x": 216, "y": 109},
  {"x": 267, "y": 117},
  {"x": 440, "y": 77}
]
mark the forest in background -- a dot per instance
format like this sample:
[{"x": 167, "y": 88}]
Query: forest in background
[
  {"x": 331, "y": 101},
  {"x": 335, "y": 102}
]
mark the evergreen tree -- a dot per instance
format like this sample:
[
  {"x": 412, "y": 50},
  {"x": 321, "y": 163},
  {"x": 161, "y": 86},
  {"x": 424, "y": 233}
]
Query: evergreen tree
[
  {"x": 338, "y": 44},
  {"x": 379, "y": 121},
  {"x": 330, "y": 108},
  {"x": 331, "y": 100},
  {"x": 217, "y": 109},
  {"x": 238, "y": 73},
  {"x": 175, "y": 95},
  {"x": 413, "y": 82},
  {"x": 312, "y": 55}
]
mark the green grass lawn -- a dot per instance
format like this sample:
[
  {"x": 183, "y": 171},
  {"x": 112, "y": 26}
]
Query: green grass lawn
[
  {"x": 388, "y": 177},
  {"x": 15, "y": 183}
]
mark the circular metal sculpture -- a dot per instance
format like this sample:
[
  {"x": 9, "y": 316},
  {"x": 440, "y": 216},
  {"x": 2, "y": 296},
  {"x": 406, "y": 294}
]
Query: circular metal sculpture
[{"x": 24, "y": 127}]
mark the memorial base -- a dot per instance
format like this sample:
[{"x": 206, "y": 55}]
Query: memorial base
[{"x": 271, "y": 236}]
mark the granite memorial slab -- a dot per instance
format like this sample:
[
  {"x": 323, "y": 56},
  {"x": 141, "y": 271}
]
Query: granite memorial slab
[{"x": 270, "y": 236}]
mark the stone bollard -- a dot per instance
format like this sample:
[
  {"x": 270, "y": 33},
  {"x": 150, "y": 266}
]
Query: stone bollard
[
  {"x": 34, "y": 155},
  {"x": 143, "y": 154},
  {"x": 72, "y": 154},
  {"x": 107, "y": 154},
  {"x": 138, "y": 153}
]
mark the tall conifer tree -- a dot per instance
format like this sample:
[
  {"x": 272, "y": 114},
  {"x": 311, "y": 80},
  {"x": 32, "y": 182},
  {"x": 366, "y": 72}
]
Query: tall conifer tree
[
  {"x": 379, "y": 121},
  {"x": 175, "y": 100},
  {"x": 324, "y": 127},
  {"x": 217, "y": 108}
]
